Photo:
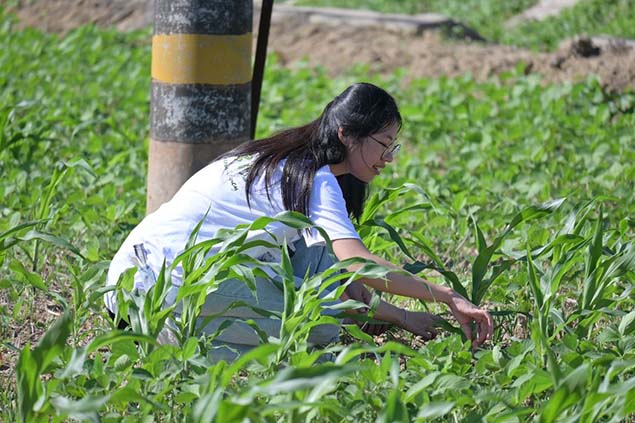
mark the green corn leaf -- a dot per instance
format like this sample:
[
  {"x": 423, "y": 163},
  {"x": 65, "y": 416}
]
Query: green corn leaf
[
  {"x": 528, "y": 213},
  {"x": 415, "y": 267},
  {"x": 485, "y": 253},
  {"x": 31, "y": 278},
  {"x": 117, "y": 336},
  {"x": 262, "y": 335},
  {"x": 532, "y": 212},
  {"x": 582, "y": 215},
  {"x": 20, "y": 227},
  {"x": 229, "y": 411},
  {"x": 82, "y": 164},
  {"x": 595, "y": 252},
  {"x": 293, "y": 219},
  {"x": 551, "y": 410},
  {"x": 29, "y": 386},
  {"x": 356, "y": 332},
  {"x": 32, "y": 364},
  {"x": 421, "y": 385},
  {"x": 446, "y": 326},
  {"x": 435, "y": 409},
  {"x": 52, "y": 239},
  {"x": 191, "y": 240},
  {"x": 454, "y": 282},
  {"x": 85, "y": 409},
  {"x": 289, "y": 284},
  {"x": 373, "y": 203},
  {"x": 157, "y": 293},
  {"x": 576, "y": 381},
  {"x": 609, "y": 270},
  {"x": 483, "y": 285},
  {"x": 629, "y": 402},
  {"x": 481, "y": 244},
  {"x": 259, "y": 353},
  {"x": 221, "y": 328},
  {"x": 627, "y": 324},
  {"x": 560, "y": 269},
  {"x": 52, "y": 343},
  {"x": 394, "y": 410},
  {"x": 560, "y": 241},
  {"x": 294, "y": 379},
  {"x": 406, "y": 210},
  {"x": 205, "y": 408},
  {"x": 45, "y": 202},
  {"x": 515, "y": 415},
  {"x": 423, "y": 244},
  {"x": 392, "y": 232},
  {"x": 534, "y": 283}
]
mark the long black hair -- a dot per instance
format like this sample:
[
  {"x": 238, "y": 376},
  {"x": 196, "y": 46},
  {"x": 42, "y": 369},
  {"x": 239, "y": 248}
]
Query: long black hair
[{"x": 361, "y": 110}]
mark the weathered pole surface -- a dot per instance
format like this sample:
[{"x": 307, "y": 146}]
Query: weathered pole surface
[{"x": 201, "y": 88}]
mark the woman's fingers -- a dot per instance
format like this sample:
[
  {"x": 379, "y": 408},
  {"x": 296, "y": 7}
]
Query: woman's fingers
[
  {"x": 375, "y": 328},
  {"x": 485, "y": 326},
  {"x": 430, "y": 335},
  {"x": 467, "y": 329},
  {"x": 426, "y": 334},
  {"x": 466, "y": 313},
  {"x": 421, "y": 324},
  {"x": 486, "y": 329}
]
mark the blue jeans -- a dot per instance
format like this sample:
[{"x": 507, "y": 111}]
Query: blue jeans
[{"x": 240, "y": 337}]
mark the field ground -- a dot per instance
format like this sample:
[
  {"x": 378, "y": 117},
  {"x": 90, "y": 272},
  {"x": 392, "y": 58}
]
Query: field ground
[{"x": 73, "y": 117}]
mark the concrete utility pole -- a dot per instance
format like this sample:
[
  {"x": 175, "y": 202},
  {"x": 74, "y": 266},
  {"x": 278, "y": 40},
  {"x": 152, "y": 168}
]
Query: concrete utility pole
[{"x": 201, "y": 88}]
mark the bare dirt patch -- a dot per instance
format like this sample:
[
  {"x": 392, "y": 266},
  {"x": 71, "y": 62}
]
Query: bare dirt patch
[
  {"x": 383, "y": 50},
  {"x": 427, "y": 55},
  {"x": 64, "y": 15},
  {"x": 336, "y": 48}
]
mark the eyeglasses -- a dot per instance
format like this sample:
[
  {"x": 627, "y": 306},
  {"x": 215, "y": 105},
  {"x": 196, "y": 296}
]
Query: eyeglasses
[{"x": 391, "y": 150}]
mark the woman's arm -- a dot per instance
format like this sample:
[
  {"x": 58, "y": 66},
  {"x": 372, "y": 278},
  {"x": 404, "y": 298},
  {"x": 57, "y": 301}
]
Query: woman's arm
[
  {"x": 412, "y": 286},
  {"x": 398, "y": 283},
  {"x": 418, "y": 322}
]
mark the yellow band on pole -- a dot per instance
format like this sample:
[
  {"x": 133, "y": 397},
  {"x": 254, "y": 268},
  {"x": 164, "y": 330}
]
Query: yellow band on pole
[{"x": 201, "y": 59}]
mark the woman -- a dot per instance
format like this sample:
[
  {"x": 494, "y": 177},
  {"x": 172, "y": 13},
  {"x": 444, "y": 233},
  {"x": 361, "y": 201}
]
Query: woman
[{"x": 320, "y": 170}]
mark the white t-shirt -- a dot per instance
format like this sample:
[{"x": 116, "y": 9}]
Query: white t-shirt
[{"x": 219, "y": 190}]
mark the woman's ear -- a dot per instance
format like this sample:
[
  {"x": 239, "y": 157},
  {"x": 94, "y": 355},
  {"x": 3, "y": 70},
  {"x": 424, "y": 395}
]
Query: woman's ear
[
  {"x": 340, "y": 135},
  {"x": 345, "y": 139}
]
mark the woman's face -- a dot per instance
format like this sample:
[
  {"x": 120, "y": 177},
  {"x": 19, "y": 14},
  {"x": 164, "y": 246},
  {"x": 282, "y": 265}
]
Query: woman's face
[{"x": 367, "y": 156}]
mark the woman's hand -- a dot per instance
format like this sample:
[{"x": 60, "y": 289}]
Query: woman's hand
[
  {"x": 357, "y": 291},
  {"x": 420, "y": 323},
  {"x": 465, "y": 313}
]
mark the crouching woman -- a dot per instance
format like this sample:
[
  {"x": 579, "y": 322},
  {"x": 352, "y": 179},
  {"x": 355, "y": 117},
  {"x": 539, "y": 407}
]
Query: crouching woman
[{"x": 321, "y": 170}]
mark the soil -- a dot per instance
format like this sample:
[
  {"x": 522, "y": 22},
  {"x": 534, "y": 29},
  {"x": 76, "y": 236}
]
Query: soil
[{"x": 383, "y": 50}]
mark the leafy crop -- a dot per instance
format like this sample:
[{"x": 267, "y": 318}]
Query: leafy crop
[{"x": 516, "y": 192}]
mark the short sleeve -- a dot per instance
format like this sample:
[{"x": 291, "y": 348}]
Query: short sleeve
[{"x": 327, "y": 209}]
